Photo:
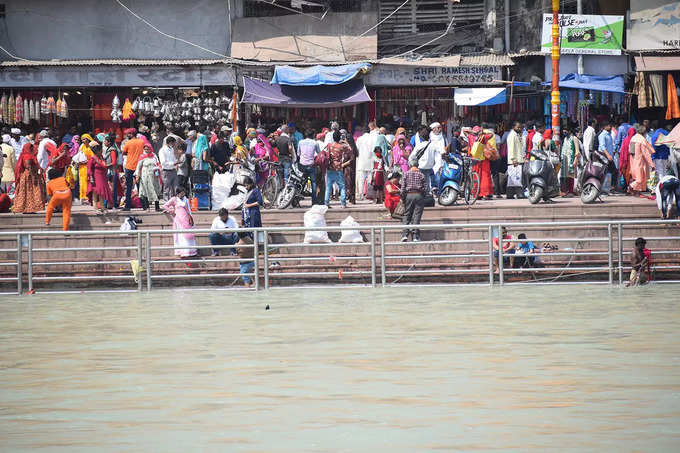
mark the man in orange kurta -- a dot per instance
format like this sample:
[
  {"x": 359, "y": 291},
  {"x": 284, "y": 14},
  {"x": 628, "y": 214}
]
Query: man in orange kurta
[{"x": 60, "y": 193}]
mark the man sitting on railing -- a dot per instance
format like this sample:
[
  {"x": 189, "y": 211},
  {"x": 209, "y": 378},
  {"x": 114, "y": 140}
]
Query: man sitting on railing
[
  {"x": 508, "y": 249},
  {"x": 222, "y": 222}
]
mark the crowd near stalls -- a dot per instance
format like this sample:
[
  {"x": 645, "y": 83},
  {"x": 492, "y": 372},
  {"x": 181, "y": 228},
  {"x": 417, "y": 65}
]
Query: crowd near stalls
[{"x": 147, "y": 166}]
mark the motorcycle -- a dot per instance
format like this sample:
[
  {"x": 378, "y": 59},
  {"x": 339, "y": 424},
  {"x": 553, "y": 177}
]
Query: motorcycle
[
  {"x": 450, "y": 178},
  {"x": 295, "y": 189},
  {"x": 539, "y": 174},
  {"x": 592, "y": 176}
]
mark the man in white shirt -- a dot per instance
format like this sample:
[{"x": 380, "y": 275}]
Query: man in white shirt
[
  {"x": 427, "y": 157},
  {"x": 222, "y": 222},
  {"x": 514, "y": 144},
  {"x": 16, "y": 141},
  {"x": 169, "y": 164},
  {"x": 44, "y": 147},
  {"x": 538, "y": 136},
  {"x": 329, "y": 135},
  {"x": 589, "y": 138},
  {"x": 365, "y": 145},
  {"x": 438, "y": 141}
]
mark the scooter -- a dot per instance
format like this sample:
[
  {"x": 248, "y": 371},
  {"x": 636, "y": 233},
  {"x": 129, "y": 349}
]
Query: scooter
[
  {"x": 296, "y": 188},
  {"x": 592, "y": 177},
  {"x": 450, "y": 177},
  {"x": 540, "y": 176}
]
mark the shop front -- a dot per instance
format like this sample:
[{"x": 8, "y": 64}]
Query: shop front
[
  {"x": 656, "y": 85},
  {"x": 110, "y": 95},
  {"x": 413, "y": 93}
]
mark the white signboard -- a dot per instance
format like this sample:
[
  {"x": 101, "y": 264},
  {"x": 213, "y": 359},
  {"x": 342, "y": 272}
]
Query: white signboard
[
  {"x": 407, "y": 75},
  {"x": 653, "y": 25},
  {"x": 116, "y": 76}
]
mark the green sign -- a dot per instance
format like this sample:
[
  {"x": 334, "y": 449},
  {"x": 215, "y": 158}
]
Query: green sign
[{"x": 579, "y": 34}]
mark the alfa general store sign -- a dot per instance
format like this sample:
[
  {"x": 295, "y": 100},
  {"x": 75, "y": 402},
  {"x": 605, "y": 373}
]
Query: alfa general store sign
[
  {"x": 583, "y": 34},
  {"x": 117, "y": 76},
  {"x": 407, "y": 75}
]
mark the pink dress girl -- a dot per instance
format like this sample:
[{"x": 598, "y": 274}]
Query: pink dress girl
[{"x": 182, "y": 220}]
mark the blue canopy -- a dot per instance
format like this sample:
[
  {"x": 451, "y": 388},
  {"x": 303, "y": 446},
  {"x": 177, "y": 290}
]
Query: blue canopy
[
  {"x": 592, "y": 82},
  {"x": 317, "y": 75},
  {"x": 272, "y": 94}
]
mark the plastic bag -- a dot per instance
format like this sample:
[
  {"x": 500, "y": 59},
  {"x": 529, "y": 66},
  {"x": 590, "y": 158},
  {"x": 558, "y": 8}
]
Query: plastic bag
[
  {"x": 350, "y": 235},
  {"x": 316, "y": 217},
  {"x": 221, "y": 189},
  {"x": 477, "y": 150}
]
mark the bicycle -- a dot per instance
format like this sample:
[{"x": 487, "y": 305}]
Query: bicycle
[
  {"x": 470, "y": 180},
  {"x": 273, "y": 185}
]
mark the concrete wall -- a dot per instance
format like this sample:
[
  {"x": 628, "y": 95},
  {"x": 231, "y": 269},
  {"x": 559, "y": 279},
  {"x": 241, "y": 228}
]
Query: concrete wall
[
  {"x": 299, "y": 38},
  {"x": 85, "y": 29}
]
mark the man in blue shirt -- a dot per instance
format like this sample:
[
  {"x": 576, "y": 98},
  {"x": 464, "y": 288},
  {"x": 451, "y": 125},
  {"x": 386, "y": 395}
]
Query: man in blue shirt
[
  {"x": 661, "y": 152},
  {"x": 523, "y": 249},
  {"x": 621, "y": 133},
  {"x": 606, "y": 145}
]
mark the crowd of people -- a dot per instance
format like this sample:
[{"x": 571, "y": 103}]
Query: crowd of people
[{"x": 146, "y": 166}]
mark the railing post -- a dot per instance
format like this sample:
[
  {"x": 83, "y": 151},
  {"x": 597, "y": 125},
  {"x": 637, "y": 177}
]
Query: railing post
[
  {"x": 256, "y": 259},
  {"x": 265, "y": 266},
  {"x": 19, "y": 265},
  {"x": 383, "y": 277},
  {"x": 140, "y": 261},
  {"x": 30, "y": 262},
  {"x": 490, "y": 255},
  {"x": 148, "y": 261},
  {"x": 373, "y": 257},
  {"x": 610, "y": 252},
  {"x": 500, "y": 256},
  {"x": 619, "y": 235}
]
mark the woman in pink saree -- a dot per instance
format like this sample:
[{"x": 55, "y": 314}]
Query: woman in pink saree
[
  {"x": 263, "y": 154},
  {"x": 178, "y": 207},
  {"x": 400, "y": 152},
  {"x": 640, "y": 161}
]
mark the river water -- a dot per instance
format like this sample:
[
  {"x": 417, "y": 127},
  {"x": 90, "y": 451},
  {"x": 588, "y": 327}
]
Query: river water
[{"x": 564, "y": 368}]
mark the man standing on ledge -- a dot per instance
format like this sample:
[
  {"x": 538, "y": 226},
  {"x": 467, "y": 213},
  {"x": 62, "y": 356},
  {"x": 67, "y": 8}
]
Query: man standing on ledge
[{"x": 413, "y": 190}]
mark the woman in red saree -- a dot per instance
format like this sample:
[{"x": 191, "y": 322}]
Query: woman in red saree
[
  {"x": 30, "y": 184},
  {"x": 483, "y": 169},
  {"x": 392, "y": 192},
  {"x": 99, "y": 189}
]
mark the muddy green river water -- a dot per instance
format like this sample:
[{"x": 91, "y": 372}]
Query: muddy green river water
[{"x": 563, "y": 368}]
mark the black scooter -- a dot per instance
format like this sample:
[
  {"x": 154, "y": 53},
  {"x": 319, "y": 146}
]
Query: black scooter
[
  {"x": 295, "y": 189},
  {"x": 593, "y": 176},
  {"x": 540, "y": 178}
]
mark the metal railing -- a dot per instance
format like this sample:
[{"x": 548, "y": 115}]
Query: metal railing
[{"x": 449, "y": 253}]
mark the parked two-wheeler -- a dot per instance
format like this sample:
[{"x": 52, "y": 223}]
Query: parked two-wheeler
[
  {"x": 539, "y": 175},
  {"x": 593, "y": 176},
  {"x": 296, "y": 188},
  {"x": 457, "y": 177}
]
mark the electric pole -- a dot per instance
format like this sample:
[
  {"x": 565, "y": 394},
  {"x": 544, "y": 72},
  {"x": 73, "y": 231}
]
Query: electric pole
[{"x": 556, "y": 71}]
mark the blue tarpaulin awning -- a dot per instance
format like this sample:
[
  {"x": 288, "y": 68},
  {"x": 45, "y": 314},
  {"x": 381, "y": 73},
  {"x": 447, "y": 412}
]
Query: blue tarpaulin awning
[
  {"x": 317, "y": 75},
  {"x": 592, "y": 82},
  {"x": 271, "y": 94}
]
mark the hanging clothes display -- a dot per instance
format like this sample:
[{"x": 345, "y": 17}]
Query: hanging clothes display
[
  {"x": 27, "y": 115},
  {"x": 643, "y": 90},
  {"x": 11, "y": 110},
  {"x": 673, "y": 110},
  {"x": 19, "y": 109},
  {"x": 658, "y": 85}
]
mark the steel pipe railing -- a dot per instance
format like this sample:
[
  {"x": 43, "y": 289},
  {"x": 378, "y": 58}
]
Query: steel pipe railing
[{"x": 450, "y": 259}]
